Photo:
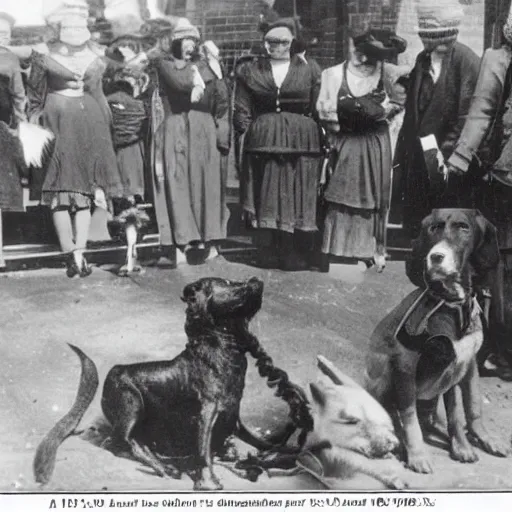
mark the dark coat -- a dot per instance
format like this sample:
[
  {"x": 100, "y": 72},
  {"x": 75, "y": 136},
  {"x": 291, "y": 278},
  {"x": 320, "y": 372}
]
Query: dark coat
[
  {"x": 12, "y": 169},
  {"x": 444, "y": 117},
  {"x": 480, "y": 141}
]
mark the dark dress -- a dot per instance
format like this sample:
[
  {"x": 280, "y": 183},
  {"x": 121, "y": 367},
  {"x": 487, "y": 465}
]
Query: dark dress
[
  {"x": 439, "y": 109},
  {"x": 12, "y": 165},
  {"x": 190, "y": 185},
  {"x": 281, "y": 144},
  {"x": 84, "y": 157},
  {"x": 130, "y": 119}
]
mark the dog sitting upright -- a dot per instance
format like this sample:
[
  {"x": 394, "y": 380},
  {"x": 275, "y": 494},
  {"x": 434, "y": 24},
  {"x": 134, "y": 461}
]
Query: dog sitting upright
[
  {"x": 427, "y": 346},
  {"x": 182, "y": 409}
]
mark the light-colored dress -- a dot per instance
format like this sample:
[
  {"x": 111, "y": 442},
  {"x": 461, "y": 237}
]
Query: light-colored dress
[{"x": 358, "y": 190}]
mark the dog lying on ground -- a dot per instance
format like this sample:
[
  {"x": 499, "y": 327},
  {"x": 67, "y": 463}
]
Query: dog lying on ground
[
  {"x": 180, "y": 410},
  {"x": 427, "y": 346},
  {"x": 355, "y": 427}
]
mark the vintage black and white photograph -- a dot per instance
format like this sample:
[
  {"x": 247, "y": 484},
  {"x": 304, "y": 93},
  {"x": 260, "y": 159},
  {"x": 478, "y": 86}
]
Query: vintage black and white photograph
[{"x": 255, "y": 245}]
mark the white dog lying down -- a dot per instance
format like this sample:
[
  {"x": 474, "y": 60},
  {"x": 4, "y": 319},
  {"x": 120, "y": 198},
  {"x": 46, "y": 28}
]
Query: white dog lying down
[{"x": 357, "y": 428}]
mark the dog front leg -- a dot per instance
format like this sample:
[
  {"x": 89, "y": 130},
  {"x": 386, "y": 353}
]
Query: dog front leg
[
  {"x": 207, "y": 481},
  {"x": 460, "y": 448},
  {"x": 404, "y": 378},
  {"x": 477, "y": 431}
]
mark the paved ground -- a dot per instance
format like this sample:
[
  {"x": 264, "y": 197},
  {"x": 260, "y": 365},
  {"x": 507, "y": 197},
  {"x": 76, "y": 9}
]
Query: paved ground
[{"x": 118, "y": 320}]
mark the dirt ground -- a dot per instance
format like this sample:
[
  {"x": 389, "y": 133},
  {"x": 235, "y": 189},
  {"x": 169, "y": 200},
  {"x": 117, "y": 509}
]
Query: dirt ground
[{"x": 116, "y": 320}]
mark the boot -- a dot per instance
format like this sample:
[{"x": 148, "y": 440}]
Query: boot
[
  {"x": 289, "y": 259},
  {"x": 167, "y": 257}
]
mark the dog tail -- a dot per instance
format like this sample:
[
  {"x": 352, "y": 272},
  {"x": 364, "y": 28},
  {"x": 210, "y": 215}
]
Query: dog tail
[{"x": 46, "y": 453}]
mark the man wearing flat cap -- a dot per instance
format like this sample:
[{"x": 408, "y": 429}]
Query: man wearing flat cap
[
  {"x": 439, "y": 95},
  {"x": 10, "y": 72}
]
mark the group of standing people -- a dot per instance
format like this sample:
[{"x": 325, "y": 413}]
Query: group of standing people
[
  {"x": 102, "y": 108},
  {"x": 318, "y": 161}
]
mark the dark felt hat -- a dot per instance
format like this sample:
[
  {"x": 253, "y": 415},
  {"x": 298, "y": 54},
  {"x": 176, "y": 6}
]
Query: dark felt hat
[
  {"x": 380, "y": 44},
  {"x": 7, "y": 17},
  {"x": 293, "y": 24}
]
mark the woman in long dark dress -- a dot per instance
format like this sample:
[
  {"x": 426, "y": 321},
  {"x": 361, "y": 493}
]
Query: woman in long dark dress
[
  {"x": 275, "y": 114},
  {"x": 65, "y": 89},
  {"x": 190, "y": 134}
]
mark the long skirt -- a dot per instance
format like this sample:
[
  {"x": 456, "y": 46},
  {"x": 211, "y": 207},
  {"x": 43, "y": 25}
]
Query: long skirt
[
  {"x": 285, "y": 189},
  {"x": 84, "y": 156},
  {"x": 130, "y": 160},
  {"x": 358, "y": 194},
  {"x": 195, "y": 183}
]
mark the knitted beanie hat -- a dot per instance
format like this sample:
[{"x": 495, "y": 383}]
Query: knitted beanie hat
[
  {"x": 66, "y": 11},
  {"x": 185, "y": 30},
  {"x": 439, "y": 20}
]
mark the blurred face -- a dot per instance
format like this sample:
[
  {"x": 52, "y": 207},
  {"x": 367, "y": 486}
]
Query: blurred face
[
  {"x": 433, "y": 47},
  {"x": 278, "y": 49},
  {"x": 5, "y": 33},
  {"x": 188, "y": 48},
  {"x": 74, "y": 33},
  {"x": 358, "y": 58}
]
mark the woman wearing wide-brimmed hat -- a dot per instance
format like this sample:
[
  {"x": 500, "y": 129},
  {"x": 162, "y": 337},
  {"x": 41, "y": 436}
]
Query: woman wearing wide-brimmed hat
[
  {"x": 354, "y": 108},
  {"x": 275, "y": 114}
]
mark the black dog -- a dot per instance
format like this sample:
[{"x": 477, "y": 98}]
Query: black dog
[{"x": 182, "y": 409}]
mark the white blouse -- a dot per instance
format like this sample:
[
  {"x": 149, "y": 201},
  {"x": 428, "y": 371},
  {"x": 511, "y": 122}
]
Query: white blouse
[{"x": 279, "y": 71}]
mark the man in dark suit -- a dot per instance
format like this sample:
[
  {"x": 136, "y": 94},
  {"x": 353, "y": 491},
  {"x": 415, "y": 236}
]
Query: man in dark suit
[{"x": 439, "y": 95}]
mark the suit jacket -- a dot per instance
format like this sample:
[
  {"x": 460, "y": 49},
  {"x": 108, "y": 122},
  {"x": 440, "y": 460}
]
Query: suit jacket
[
  {"x": 489, "y": 95},
  {"x": 444, "y": 117}
]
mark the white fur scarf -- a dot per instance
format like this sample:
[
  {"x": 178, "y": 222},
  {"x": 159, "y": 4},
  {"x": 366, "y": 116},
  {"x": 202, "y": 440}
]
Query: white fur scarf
[{"x": 35, "y": 141}]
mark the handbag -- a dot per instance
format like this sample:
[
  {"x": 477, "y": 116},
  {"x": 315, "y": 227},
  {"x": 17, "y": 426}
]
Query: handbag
[{"x": 362, "y": 113}]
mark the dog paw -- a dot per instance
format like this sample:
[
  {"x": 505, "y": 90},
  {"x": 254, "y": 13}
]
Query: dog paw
[
  {"x": 379, "y": 261},
  {"x": 174, "y": 473},
  {"x": 488, "y": 443},
  {"x": 208, "y": 484},
  {"x": 230, "y": 455},
  {"x": 419, "y": 463},
  {"x": 395, "y": 482},
  {"x": 462, "y": 451}
]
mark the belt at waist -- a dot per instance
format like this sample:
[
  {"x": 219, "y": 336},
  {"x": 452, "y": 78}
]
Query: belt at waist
[
  {"x": 70, "y": 93},
  {"x": 283, "y": 109}
]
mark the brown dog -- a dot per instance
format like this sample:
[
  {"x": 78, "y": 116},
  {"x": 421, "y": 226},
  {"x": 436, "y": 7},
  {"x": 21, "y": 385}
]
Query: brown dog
[{"x": 427, "y": 346}]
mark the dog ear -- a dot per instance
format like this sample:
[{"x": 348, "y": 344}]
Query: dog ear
[
  {"x": 334, "y": 373},
  {"x": 486, "y": 254},
  {"x": 317, "y": 394},
  {"x": 415, "y": 262}
]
